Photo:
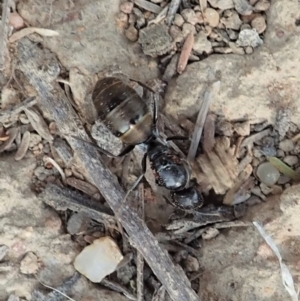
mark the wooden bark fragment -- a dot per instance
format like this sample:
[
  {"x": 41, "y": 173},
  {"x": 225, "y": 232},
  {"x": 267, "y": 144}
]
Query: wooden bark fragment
[{"x": 54, "y": 101}]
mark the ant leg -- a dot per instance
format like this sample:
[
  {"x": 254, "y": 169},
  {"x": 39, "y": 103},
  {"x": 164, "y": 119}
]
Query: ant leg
[
  {"x": 144, "y": 167},
  {"x": 177, "y": 138},
  {"x": 126, "y": 150}
]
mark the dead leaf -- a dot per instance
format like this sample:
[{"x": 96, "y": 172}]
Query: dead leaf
[
  {"x": 39, "y": 124},
  {"x": 23, "y": 146}
]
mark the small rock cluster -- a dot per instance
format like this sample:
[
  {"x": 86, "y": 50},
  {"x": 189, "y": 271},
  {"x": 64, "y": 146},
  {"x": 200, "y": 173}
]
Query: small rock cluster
[
  {"x": 231, "y": 26},
  {"x": 265, "y": 159}
]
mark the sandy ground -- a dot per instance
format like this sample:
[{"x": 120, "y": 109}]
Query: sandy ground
[{"x": 237, "y": 264}]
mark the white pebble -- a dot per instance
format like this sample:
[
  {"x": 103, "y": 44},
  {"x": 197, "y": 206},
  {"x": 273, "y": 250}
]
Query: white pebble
[
  {"x": 267, "y": 174},
  {"x": 99, "y": 259}
]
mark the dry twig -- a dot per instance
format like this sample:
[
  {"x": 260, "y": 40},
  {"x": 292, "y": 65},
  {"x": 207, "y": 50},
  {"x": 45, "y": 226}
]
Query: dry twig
[
  {"x": 139, "y": 256},
  {"x": 4, "y": 33}
]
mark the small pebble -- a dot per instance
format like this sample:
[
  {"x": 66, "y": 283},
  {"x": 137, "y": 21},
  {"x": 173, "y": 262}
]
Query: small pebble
[
  {"x": 99, "y": 259},
  {"x": 245, "y": 26},
  {"x": 189, "y": 16},
  {"x": 78, "y": 222},
  {"x": 23, "y": 118},
  {"x": 131, "y": 33},
  {"x": 257, "y": 153},
  {"x": 191, "y": 264},
  {"x": 187, "y": 29},
  {"x": 235, "y": 49},
  {"x": 291, "y": 160},
  {"x": 68, "y": 172},
  {"x": 199, "y": 16},
  {"x": 50, "y": 179},
  {"x": 89, "y": 238},
  {"x": 224, "y": 128},
  {"x": 212, "y": 17},
  {"x": 222, "y": 4},
  {"x": 35, "y": 139},
  {"x": 255, "y": 162},
  {"x": 265, "y": 189},
  {"x": 42, "y": 173},
  {"x": 256, "y": 191},
  {"x": 259, "y": 23},
  {"x": 29, "y": 264},
  {"x": 202, "y": 44},
  {"x": 248, "y": 49},
  {"x": 276, "y": 189},
  {"x": 249, "y": 37},
  {"x": 126, "y": 7},
  {"x": 132, "y": 19},
  {"x": 243, "y": 7},
  {"x": 242, "y": 128},
  {"x": 208, "y": 30},
  {"x": 53, "y": 221},
  {"x": 262, "y": 5},
  {"x": 121, "y": 20},
  {"x": 283, "y": 180},
  {"x": 16, "y": 21},
  {"x": 233, "y": 35},
  {"x": 3, "y": 251},
  {"x": 210, "y": 233},
  {"x": 176, "y": 33},
  {"x": 178, "y": 20},
  {"x": 267, "y": 174},
  {"x": 280, "y": 153},
  {"x": 52, "y": 128},
  {"x": 286, "y": 145},
  {"x": 231, "y": 20}
]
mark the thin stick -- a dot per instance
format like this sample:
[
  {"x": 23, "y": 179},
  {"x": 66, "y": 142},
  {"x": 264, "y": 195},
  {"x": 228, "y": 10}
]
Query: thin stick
[
  {"x": 173, "y": 8},
  {"x": 4, "y": 33},
  {"x": 200, "y": 123},
  {"x": 61, "y": 111},
  {"x": 139, "y": 256}
]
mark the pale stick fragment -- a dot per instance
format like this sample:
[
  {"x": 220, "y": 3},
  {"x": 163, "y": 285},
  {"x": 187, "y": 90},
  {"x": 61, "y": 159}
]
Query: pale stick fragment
[
  {"x": 139, "y": 256},
  {"x": 4, "y": 33},
  {"x": 47, "y": 160},
  {"x": 147, "y": 5},
  {"x": 248, "y": 142},
  {"x": 203, "y": 5},
  {"x": 287, "y": 279},
  {"x": 160, "y": 16},
  {"x": 200, "y": 121},
  {"x": 58, "y": 294},
  {"x": 29, "y": 30},
  {"x": 22, "y": 150}
]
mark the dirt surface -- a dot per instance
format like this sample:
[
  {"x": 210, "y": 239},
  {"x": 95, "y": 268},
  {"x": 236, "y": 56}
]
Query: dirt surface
[{"x": 237, "y": 264}]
